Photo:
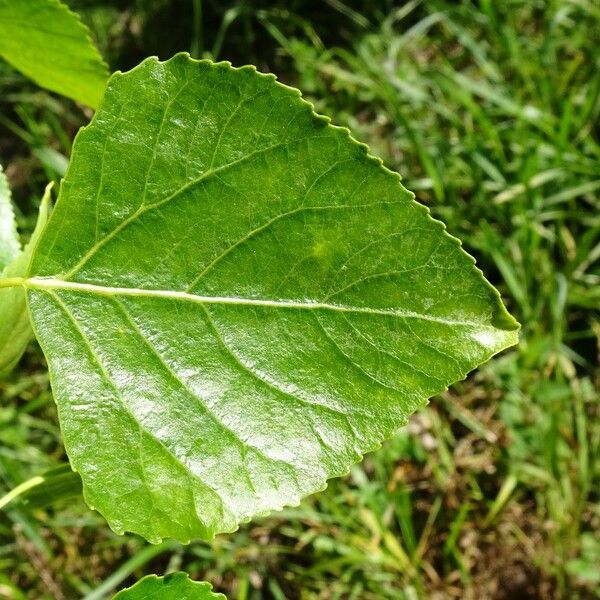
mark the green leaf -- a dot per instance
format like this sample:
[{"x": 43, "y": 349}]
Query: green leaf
[
  {"x": 49, "y": 44},
  {"x": 175, "y": 586},
  {"x": 236, "y": 301},
  {"x": 15, "y": 327},
  {"x": 9, "y": 238}
]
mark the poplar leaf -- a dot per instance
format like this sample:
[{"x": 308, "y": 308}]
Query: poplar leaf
[
  {"x": 49, "y": 44},
  {"x": 175, "y": 586},
  {"x": 237, "y": 302}
]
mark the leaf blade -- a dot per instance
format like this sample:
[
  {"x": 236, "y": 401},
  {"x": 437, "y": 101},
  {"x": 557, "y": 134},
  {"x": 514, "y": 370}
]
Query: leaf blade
[
  {"x": 15, "y": 326},
  {"x": 49, "y": 44},
  {"x": 280, "y": 303},
  {"x": 175, "y": 586}
]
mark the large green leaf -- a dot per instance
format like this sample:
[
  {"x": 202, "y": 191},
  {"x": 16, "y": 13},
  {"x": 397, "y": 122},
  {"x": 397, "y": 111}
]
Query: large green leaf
[
  {"x": 47, "y": 42},
  {"x": 175, "y": 586},
  {"x": 236, "y": 301},
  {"x": 15, "y": 327}
]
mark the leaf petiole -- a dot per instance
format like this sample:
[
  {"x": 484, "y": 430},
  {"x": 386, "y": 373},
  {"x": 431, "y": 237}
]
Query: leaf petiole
[{"x": 12, "y": 282}]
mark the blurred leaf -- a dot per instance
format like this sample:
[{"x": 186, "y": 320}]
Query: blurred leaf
[
  {"x": 49, "y": 44},
  {"x": 15, "y": 329}
]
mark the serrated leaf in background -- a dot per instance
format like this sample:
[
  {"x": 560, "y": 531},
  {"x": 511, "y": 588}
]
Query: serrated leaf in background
[{"x": 49, "y": 44}]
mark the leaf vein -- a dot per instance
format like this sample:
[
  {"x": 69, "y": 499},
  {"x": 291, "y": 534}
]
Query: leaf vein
[
  {"x": 143, "y": 209},
  {"x": 94, "y": 356},
  {"x": 243, "y": 444}
]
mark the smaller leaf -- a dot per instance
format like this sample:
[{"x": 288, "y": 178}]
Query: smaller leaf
[
  {"x": 175, "y": 586},
  {"x": 15, "y": 327},
  {"x": 9, "y": 239},
  {"x": 49, "y": 44}
]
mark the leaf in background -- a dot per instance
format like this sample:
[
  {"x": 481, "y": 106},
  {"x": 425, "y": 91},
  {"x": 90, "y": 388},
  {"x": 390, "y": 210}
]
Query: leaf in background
[
  {"x": 236, "y": 301},
  {"x": 175, "y": 586},
  {"x": 15, "y": 327},
  {"x": 9, "y": 238},
  {"x": 49, "y": 44}
]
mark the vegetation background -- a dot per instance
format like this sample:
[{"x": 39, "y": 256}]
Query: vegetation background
[{"x": 490, "y": 111}]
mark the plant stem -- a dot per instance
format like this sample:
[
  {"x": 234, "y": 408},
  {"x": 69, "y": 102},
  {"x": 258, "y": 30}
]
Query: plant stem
[
  {"x": 197, "y": 47},
  {"x": 20, "y": 489},
  {"x": 12, "y": 282}
]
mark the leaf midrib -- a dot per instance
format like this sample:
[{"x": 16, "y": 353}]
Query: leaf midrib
[{"x": 52, "y": 284}]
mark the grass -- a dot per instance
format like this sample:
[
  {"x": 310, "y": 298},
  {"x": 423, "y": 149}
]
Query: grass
[{"x": 491, "y": 113}]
